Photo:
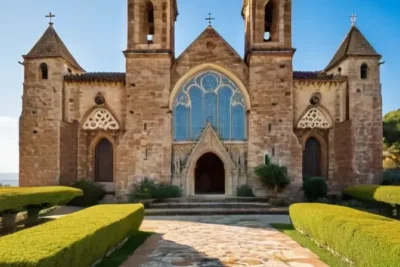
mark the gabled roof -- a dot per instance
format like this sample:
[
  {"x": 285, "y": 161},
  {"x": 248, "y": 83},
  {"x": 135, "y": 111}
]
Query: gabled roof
[
  {"x": 51, "y": 45},
  {"x": 355, "y": 44},
  {"x": 202, "y": 42}
]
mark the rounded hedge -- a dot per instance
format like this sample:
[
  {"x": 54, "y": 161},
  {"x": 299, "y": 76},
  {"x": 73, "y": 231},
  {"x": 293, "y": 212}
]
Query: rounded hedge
[{"x": 315, "y": 188}]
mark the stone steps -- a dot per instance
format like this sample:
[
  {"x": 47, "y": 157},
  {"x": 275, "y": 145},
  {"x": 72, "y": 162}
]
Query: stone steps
[
  {"x": 216, "y": 211},
  {"x": 204, "y": 205},
  {"x": 219, "y": 199},
  {"x": 212, "y": 205}
]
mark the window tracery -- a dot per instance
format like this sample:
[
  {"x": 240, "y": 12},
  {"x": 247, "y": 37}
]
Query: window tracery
[
  {"x": 314, "y": 119},
  {"x": 209, "y": 98},
  {"x": 101, "y": 119}
]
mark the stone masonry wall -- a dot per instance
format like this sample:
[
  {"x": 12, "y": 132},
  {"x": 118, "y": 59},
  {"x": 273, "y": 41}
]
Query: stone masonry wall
[
  {"x": 209, "y": 47},
  {"x": 40, "y": 124},
  {"x": 365, "y": 101},
  {"x": 145, "y": 148},
  {"x": 68, "y": 153},
  {"x": 271, "y": 86}
]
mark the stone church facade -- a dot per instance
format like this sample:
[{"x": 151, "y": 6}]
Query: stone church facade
[{"x": 205, "y": 119}]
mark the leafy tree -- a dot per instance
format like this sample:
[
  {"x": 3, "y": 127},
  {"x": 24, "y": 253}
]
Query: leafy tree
[
  {"x": 273, "y": 176},
  {"x": 391, "y": 133}
]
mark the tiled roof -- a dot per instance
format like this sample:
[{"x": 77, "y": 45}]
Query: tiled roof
[
  {"x": 316, "y": 75},
  {"x": 96, "y": 77},
  {"x": 355, "y": 44},
  {"x": 51, "y": 45}
]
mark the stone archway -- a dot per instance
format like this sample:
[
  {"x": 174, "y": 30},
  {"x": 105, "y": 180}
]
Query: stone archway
[{"x": 209, "y": 175}]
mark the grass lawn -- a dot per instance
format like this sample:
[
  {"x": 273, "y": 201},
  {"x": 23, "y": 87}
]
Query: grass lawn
[
  {"x": 121, "y": 255},
  {"x": 304, "y": 241}
]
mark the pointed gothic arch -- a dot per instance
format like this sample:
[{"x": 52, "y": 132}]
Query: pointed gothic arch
[
  {"x": 209, "y": 97},
  {"x": 214, "y": 67}
]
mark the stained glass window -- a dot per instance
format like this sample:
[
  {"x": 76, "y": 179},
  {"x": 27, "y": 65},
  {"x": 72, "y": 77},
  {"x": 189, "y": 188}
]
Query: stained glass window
[{"x": 209, "y": 98}]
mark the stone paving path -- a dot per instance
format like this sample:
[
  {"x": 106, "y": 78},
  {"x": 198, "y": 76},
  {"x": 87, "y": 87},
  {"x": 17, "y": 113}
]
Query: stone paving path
[{"x": 211, "y": 241}]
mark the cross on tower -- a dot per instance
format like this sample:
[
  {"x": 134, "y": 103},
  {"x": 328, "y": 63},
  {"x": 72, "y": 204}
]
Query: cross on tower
[
  {"x": 210, "y": 19},
  {"x": 353, "y": 18},
  {"x": 51, "y": 16}
]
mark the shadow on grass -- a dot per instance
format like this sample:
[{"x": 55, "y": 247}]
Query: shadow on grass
[
  {"x": 121, "y": 255},
  {"x": 306, "y": 242}
]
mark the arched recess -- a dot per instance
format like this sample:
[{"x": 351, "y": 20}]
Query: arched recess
[
  {"x": 210, "y": 143},
  {"x": 212, "y": 67},
  {"x": 209, "y": 175},
  {"x": 315, "y": 142}
]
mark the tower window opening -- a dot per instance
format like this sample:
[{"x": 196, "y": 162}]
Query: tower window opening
[
  {"x": 269, "y": 21},
  {"x": 364, "y": 71},
  {"x": 150, "y": 22},
  {"x": 44, "y": 69}
]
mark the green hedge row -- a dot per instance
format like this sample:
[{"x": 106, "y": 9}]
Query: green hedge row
[
  {"x": 75, "y": 240},
  {"x": 363, "y": 238},
  {"x": 386, "y": 194},
  {"x": 15, "y": 198}
]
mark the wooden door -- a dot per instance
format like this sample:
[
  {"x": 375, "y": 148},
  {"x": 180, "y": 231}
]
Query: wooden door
[
  {"x": 104, "y": 162},
  {"x": 312, "y": 158}
]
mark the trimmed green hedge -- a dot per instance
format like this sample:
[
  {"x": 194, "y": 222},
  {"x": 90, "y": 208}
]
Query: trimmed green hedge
[
  {"x": 363, "y": 238},
  {"x": 75, "y": 240},
  {"x": 16, "y": 198},
  {"x": 386, "y": 194}
]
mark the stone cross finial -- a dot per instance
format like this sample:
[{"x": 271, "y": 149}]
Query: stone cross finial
[
  {"x": 353, "y": 18},
  {"x": 209, "y": 19},
  {"x": 50, "y": 16}
]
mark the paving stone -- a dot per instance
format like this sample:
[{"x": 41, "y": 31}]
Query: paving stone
[{"x": 208, "y": 241}]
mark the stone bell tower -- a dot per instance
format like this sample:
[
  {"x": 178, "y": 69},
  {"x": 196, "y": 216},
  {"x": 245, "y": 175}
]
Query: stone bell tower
[
  {"x": 145, "y": 150},
  {"x": 269, "y": 55},
  {"x": 42, "y": 135}
]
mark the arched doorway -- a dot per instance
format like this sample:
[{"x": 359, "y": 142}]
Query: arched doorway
[
  {"x": 312, "y": 158},
  {"x": 104, "y": 162},
  {"x": 209, "y": 175}
]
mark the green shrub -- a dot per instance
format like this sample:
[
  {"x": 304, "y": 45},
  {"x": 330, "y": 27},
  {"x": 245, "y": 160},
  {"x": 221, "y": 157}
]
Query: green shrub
[
  {"x": 149, "y": 189},
  {"x": 273, "y": 176},
  {"x": 20, "y": 198},
  {"x": 315, "y": 188},
  {"x": 92, "y": 194},
  {"x": 75, "y": 240},
  {"x": 391, "y": 177},
  {"x": 245, "y": 191},
  {"x": 363, "y": 238},
  {"x": 386, "y": 194}
]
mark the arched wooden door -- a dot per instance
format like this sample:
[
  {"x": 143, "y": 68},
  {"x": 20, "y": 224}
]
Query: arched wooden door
[
  {"x": 312, "y": 158},
  {"x": 104, "y": 162}
]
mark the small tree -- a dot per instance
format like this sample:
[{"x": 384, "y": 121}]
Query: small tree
[{"x": 273, "y": 176}]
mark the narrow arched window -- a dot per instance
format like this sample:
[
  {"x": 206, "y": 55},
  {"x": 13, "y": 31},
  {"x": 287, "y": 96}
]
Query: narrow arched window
[
  {"x": 364, "y": 71},
  {"x": 44, "y": 71},
  {"x": 150, "y": 22},
  {"x": 269, "y": 21}
]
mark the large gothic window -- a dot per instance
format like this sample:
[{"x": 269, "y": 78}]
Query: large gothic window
[{"x": 209, "y": 98}]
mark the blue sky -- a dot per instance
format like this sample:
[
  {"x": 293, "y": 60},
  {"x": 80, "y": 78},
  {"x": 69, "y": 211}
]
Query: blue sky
[{"x": 95, "y": 33}]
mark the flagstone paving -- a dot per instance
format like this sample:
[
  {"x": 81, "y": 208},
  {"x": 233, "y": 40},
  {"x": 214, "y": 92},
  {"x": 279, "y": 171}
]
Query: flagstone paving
[{"x": 211, "y": 241}]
